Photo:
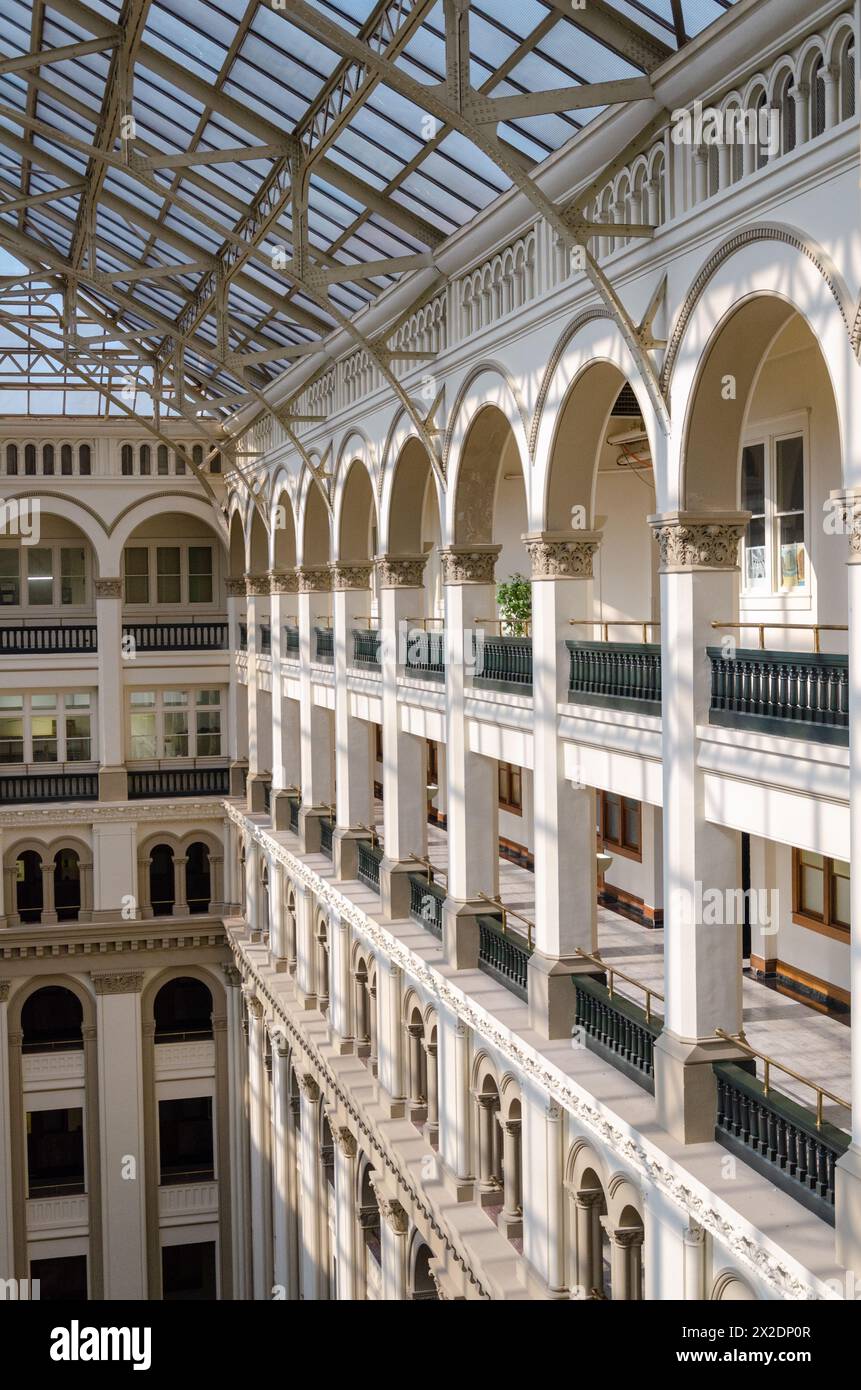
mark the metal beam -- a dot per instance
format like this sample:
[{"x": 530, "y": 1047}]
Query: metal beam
[
  {"x": 46, "y": 56},
  {"x": 241, "y": 154},
  {"x": 617, "y": 31},
  {"x": 487, "y": 110},
  {"x": 36, "y": 199}
]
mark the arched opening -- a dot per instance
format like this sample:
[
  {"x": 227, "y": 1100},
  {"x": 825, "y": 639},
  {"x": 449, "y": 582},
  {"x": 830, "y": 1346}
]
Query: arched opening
[
  {"x": 172, "y": 565},
  {"x": 627, "y": 1255},
  {"x": 198, "y": 886},
  {"x": 67, "y": 885},
  {"x": 369, "y": 1226},
  {"x": 29, "y": 891},
  {"x": 162, "y": 881},
  {"x": 417, "y": 1067},
  {"x": 47, "y": 580},
  {"x": 51, "y": 1021},
  {"x": 316, "y": 549},
  {"x": 183, "y": 1011},
  {"x": 592, "y": 1257},
  {"x": 236, "y": 550},
  {"x": 322, "y": 966},
  {"x": 489, "y": 1142},
  {"x": 424, "y": 1287}
]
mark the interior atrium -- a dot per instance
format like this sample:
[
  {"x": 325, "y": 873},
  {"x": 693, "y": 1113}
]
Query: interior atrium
[{"x": 430, "y": 559}]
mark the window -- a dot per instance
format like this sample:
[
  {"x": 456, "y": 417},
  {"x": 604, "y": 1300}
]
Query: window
[
  {"x": 50, "y": 728},
  {"x": 175, "y": 574},
  {"x": 127, "y": 460},
  {"x": 820, "y": 897},
  {"x": 11, "y": 459},
  {"x": 162, "y": 461},
  {"x": 847, "y": 81},
  {"x": 144, "y": 456},
  {"x": 73, "y": 576},
  {"x": 84, "y": 460},
  {"x": 40, "y": 579},
  {"x": 55, "y": 1152},
  {"x": 48, "y": 459},
  {"x": 185, "y": 1140},
  {"x": 619, "y": 824},
  {"x": 817, "y": 98},
  {"x": 773, "y": 491},
  {"x": 175, "y": 724},
  {"x": 66, "y": 459},
  {"x": 510, "y": 789},
  {"x": 433, "y": 764},
  {"x": 10, "y": 578},
  {"x": 188, "y": 1272},
  {"x": 63, "y": 1278},
  {"x": 53, "y": 576}
]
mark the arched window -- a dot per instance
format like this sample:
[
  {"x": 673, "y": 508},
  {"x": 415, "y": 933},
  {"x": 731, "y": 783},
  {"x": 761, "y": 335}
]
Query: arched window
[
  {"x": 183, "y": 1011},
  {"x": 760, "y": 108},
  {"x": 661, "y": 185},
  {"x": 423, "y": 1288},
  {"x": 197, "y": 454},
  {"x": 713, "y": 171},
  {"x": 162, "y": 460},
  {"x": 179, "y": 462},
  {"x": 626, "y": 1254},
  {"x": 369, "y": 1224},
  {"x": 127, "y": 464},
  {"x": 66, "y": 459},
  {"x": 817, "y": 98},
  {"x": 11, "y": 459},
  {"x": 848, "y": 98},
  {"x": 784, "y": 99},
  {"x": 215, "y": 465},
  {"x": 322, "y": 967},
  {"x": 84, "y": 460},
  {"x": 48, "y": 459},
  {"x": 198, "y": 888},
  {"x": 29, "y": 899},
  {"x": 417, "y": 1063},
  {"x": 67, "y": 885},
  {"x": 162, "y": 881},
  {"x": 51, "y": 1021},
  {"x": 144, "y": 457},
  {"x": 30, "y": 459}
]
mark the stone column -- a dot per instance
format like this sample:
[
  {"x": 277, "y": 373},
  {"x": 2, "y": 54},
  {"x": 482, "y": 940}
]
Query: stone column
[
  {"x": 314, "y": 723},
  {"x": 180, "y": 903},
  {"x": 394, "y": 1225},
  {"x": 626, "y": 1244},
  {"x": 340, "y": 1005},
  {"x": 391, "y": 1065},
  {"x": 345, "y": 1212},
  {"x": 49, "y": 915},
  {"x": 801, "y": 92},
  {"x": 258, "y": 1164},
  {"x": 831, "y": 80},
  {"x": 7, "y": 1247},
  {"x": 694, "y": 1270},
  {"x": 564, "y": 831},
  {"x": 455, "y": 1102},
  {"x": 351, "y": 603},
  {"x": 237, "y": 1061},
  {"x": 306, "y": 947},
  {"x": 259, "y": 723},
  {"x": 702, "y": 960},
  {"x": 113, "y": 779},
  {"x": 488, "y": 1177},
  {"x": 473, "y": 788},
  {"x": 283, "y": 588},
  {"x": 310, "y": 1199},
  {"x": 237, "y": 696},
  {"x": 417, "y": 1085},
  {"x": 121, "y": 1134},
  {"x": 511, "y": 1216},
  {"x": 589, "y": 1263},
  {"x": 401, "y": 587},
  {"x": 282, "y": 1214}
]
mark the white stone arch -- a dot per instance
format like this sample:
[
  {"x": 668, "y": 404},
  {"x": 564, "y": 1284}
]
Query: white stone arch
[
  {"x": 622, "y": 1193},
  {"x": 355, "y": 450},
  {"x": 155, "y": 505},
  {"x": 730, "y": 1287},
  {"x": 775, "y": 263},
  {"x": 754, "y": 88},
  {"x": 812, "y": 49},
  {"x": 487, "y": 385},
  {"x": 784, "y": 67},
  {"x": 306, "y": 485},
  {"x": 77, "y": 513},
  {"x": 841, "y": 30},
  {"x": 282, "y": 493},
  {"x": 583, "y": 1157},
  {"x": 510, "y": 1094},
  {"x": 402, "y": 435}
]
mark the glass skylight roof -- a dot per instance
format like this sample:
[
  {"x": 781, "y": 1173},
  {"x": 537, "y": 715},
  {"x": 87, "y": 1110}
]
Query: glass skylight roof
[{"x": 238, "y": 75}]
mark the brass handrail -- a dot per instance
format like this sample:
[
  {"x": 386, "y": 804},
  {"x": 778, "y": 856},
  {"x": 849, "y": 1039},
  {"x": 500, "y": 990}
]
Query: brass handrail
[
  {"x": 424, "y": 621},
  {"x": 762, "y": 628},
  {"x": 510, "y": 912},
  {"x": 429, "y": 867},
  {"x": 502, "y": 622},
  {"x": 768, "y": 1062},
  {"x": 644, "y": 624},
  {"x": 376, "y": 842},
  {"x": 612, "y": 972},
  {"x": 333, "y": 811}
]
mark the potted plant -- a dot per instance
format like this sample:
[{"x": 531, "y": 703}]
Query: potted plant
[{"x": 514, "y": 599}]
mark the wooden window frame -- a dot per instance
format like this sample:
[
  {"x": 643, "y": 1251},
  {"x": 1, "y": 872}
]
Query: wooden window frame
[
  {"x": 620, "y": 847},
  {"x": 514, "y": 808},
  {"x": 826, "y": 925}
]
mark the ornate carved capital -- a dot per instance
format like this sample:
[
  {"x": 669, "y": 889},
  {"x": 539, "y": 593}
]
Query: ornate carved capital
[
  {"x": 400, "y": 571},
  {"x": 254, "y": 1006},
  {"x": 4, "y": 990},
  {"x": 698, "y": 541},
  {"x": 283, "y": 582},
  {"x": 129, "y": 982},
  {"x": 843, "y": 518},
  {"x": 235, "y": 588},
  {"x": 557, "y": 555},
  {"x": 257, "y": 585},
  {"x": 310, "y": 1088},
  {"x": 390, "y": 1208},
  {"x": 313, "y": 579},
  {"x": 473, "y": 564},
  {"x": 232, "y": 976},
  {"x": 346, "y": 1142},
  {"x": 108, "y": 588},
  {"x": 350, "y": 576}
]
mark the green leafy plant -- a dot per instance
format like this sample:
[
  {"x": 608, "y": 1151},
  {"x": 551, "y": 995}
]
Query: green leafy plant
[{"x": 514, "y": 598}]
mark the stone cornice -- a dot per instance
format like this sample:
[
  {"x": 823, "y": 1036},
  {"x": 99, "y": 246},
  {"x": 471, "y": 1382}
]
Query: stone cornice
[
  {"x": 562, "y": 555},
  {"x": 72, "y": 940},
  {"x": 469, "y": 564},
  {"x": 400, "y": 571},
  {"x": 698, "y": 540},
  {"x": 112, "y": 813},
  {"x": 776, "y": 1269}
]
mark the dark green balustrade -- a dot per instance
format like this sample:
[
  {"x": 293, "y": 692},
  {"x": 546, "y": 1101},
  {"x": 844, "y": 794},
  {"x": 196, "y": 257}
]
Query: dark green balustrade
[
  {"x": 504, "y": 663},
  {"x": 616, "y": 1029},
  {"x": 796, "y": 694},
  {"x": 366, "y": 647},
  {"x": 503, "y": 955},
  {"x": 426, "y": 900},
  {"x": 616, "y": 675},
  {"x": 368, "y": 864}
]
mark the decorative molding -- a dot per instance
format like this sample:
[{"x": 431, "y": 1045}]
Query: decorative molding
[
  {"x": 310, "y": 1087},
  {"x": 773, "y": 1266},
  {"x": 400, "y": 571},
  {"x": 845, "y": 520},
  {"x": 472, "y": 564},
  {"x": 156, "y": 935},
  {"x": 313, "y": 579},
  {"x": 235, "y": 588},
  {"x": 588, "y": 316},
  {"x": 562, "y": 556},
  {"x": 283, "y": 581},
  {"x": 108, "y": 588},
  {"x": 346, "y": 576},
  {"x": 4, "y": 990},
  {"x": 96, "y": 813},
  {"x": 257, "y": 585},
  {"x": 690, "y": 541},
  {"x": 130, "y": 982}
]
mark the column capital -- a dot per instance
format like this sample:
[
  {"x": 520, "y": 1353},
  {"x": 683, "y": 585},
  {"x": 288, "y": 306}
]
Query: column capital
[
  {"x": 232, "y": 976},
  {"x": 468, "y": 564},
  {"x": 235, "y": 587},
  {"x": 127, "y": 982},
  {"x": 257, "y": 585},
  {"x": 310, "y": 1088},
  {"x": 391, "y": 1210},
  {"x": 562, "y": 554},
  {"x": 4, "y": 990},
  {"x": 108, "y": 588},
  {"x": 400, "y": 571},
  {"x": 346, "y": 1142},
  {"x": 843, "y": 517},
  {"x": 691, "y": 541},
  {"x": 626, "y": 1237},
  {"x": 284, "y": 581},
  {"x": 313, "y": 579},
  {"x": 255, "y": 1008},
  {"x": 350, "y": 576}
]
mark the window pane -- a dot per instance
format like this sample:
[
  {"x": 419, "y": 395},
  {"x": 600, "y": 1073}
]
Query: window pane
[
  {"x": 632, "y": 823},
  {"x": 840, "y": 893},
  {"x": 143, "y": 699},
  {"x": 753, "y": 479},
  {"x": 612, "y": 819},
  {"x": 137, "y": 575},
  {"x": 200, "y": 574},
  {"x": 72, "y": 575},
  {"x": 208, "y": 733},
  {"x": 77, "y": 700},
  {"x": 77, "y": 738},
  {"x": 811, "y": 885},
  {"x": 44, "y": 740},
  {"x": 167, "y": 565},
  {"x": 175, "y": 697},
  {"x": 44, "y": 702},
  {"x": 143, "y": 736},
  {"x": 208, "y": 697},
  {"x": 176, "y": 735},
  {"x": 10, "y": 587},
  {"x": 40, "y": 582},
  {"x": 11, "y": 740},
  {"x": 790, "y": 475}
]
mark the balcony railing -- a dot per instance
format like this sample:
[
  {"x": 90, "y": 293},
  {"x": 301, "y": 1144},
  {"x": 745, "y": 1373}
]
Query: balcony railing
[
  {"x": 179, "y": 781},
  {"x": 291, "y": 643},
  {"x": 502, "y": 955},
  {"x": 796, "y": 694},
  {"x": 324, "y": 645},
  {"x": 179, "y": 637},
  {"x": 293, "y": 804},
  {"x": 426, "y": 900},
  {"x": 425, "y": 650},
  {"x": 616, "y": 1029},
  {"x": 264, "y": 639},
  {"x": 616, "y": 675},
  {"x": 368, "y": 864},
  {"x": 55, "y": 639},
  {"x": 504, "y": 663},
  {"x": 49, "y": 786},
  {"x": 366, "y": 648},
  {"x": 326, "y": 832}
]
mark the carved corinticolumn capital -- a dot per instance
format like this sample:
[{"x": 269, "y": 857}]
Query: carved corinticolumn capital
[
  {"x": 346, "y": 1142},
  {"x": 469, "y": 564},
  {"x": 562, "y": 555},
  {"x": 109, "y": 588},
  {"x": 843, "y": 518},
  {"x": 350, "y": 576},
  {"x": 283, "y": 582},
  {"x": 310, "y": 1088},
  {"x": 314, "y": 579},
  {"x": 699, "y": 540},
  {"x": 401, "y": 571},
  {"x": 236, "y": 588},
  {"x": 257, "y": 585}
]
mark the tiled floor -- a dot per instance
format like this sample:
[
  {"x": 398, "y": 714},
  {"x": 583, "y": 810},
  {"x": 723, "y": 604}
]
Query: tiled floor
[{"x": 807, "y": 1041}]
